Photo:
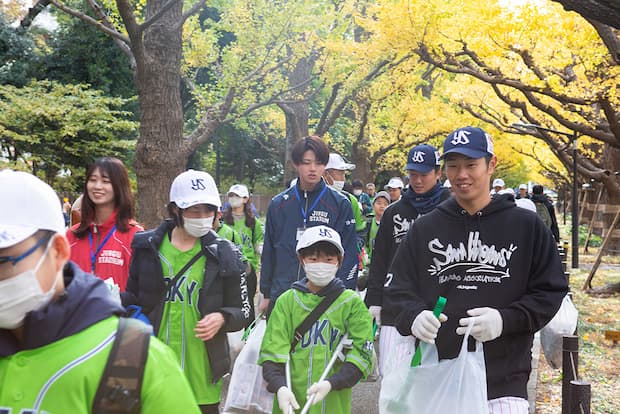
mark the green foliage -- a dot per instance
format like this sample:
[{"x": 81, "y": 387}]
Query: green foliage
[
  {"x": 595, "y": 241},
  {"x": 81, "y": 54},
  {"x": 52, "y": 128},
  {"x": 17, "y": 55}
]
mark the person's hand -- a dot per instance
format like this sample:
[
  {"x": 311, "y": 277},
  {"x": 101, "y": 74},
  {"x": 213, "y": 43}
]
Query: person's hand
[
  {"x": 375, "y": 311},
  {"x": 263, "y": 305},
  {"x": 320, "y": 390},
  {"x": 425, "y": 326},
  {"x": 286, "y": 399},
  {"x": 207, "y": 327},
  {"x": 488, "y": 324}
]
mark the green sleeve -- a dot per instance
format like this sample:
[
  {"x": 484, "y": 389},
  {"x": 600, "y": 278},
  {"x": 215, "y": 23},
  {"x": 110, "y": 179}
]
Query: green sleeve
[
  {"x": 360, "y": 332},
  {"x": 360, "y": 223},
  {"x": 165, "y": 388},
  {"x": 276, "y": 343}
]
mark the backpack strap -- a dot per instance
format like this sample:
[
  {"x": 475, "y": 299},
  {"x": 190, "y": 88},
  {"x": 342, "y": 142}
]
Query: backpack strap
[
  {"x": 120, "y": 387},
  {"x": 313, "y": 316}
]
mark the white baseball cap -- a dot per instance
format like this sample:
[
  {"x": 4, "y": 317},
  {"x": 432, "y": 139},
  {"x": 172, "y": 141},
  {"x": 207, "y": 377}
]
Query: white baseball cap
[
  {"x": 336, "y": 162},
  {"x": 526, "y": 203},
  {"x": 523, "y": 187},
  {"x": 498, "y": 182},
  {"x": 394, "y": 182},
  {"x": 28, "y": 205},
  {"x": 194, "y": 187},
  {"x": 239, "y": 189},
  {"x": 313, "y": 235}
]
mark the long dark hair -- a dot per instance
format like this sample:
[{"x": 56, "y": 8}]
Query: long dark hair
[
  {"x": 115, "y": 170},
  {"x": 250, "y": 218}
]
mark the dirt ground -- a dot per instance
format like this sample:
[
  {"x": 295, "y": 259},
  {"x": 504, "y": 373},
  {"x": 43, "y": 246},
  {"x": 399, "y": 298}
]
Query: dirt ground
[{"x": 599, "y": 359}]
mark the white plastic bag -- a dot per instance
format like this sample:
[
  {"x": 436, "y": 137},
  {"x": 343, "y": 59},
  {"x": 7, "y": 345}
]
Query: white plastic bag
[
  {"x": 437, "y": 387},
  {"x": 235, "y": 344},
  {"x": 247, "y": 392},
  {"x": 563, "y": 323}
]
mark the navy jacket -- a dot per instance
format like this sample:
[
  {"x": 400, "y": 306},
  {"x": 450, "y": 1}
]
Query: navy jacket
[{"x": 324, "y": 205}]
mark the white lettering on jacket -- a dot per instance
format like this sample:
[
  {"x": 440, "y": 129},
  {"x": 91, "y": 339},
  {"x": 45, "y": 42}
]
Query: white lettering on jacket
[{"x": 475, "y": 263}]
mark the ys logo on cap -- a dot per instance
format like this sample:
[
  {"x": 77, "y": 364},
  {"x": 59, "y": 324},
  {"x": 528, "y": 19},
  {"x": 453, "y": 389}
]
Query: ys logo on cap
[
  {"x": 198, "y": 184},
  {"x": 418, "y": 156},
  {"x": 325, "y": 233},
  {"x": 460, "y": 137}
]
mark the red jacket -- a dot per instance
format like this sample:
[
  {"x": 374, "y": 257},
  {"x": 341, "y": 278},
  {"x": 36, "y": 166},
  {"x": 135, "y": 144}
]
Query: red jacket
[{"x": 113, "y": 257}]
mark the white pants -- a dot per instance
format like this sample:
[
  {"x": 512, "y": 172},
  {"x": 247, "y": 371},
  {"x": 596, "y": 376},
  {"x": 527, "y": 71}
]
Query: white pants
[{"x": 508, "y": 405}]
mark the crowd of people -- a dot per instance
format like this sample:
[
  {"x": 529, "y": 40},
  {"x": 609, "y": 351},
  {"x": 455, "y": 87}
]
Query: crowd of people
[{"x": 168, "y": 296}]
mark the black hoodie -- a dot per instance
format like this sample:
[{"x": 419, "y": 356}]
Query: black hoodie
[{"x": 502, "y": 257}]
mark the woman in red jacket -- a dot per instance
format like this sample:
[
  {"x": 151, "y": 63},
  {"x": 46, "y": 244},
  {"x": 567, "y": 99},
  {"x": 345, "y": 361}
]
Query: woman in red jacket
[{"x": 101, "y": 242}]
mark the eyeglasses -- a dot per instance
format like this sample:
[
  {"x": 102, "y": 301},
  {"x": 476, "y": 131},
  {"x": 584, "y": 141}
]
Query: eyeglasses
[{"x": 16, "y": 259}]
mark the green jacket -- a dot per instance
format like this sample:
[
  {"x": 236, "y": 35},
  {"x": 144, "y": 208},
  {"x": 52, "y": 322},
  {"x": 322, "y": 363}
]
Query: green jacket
[
  {"x": 311, "y": 355},
  {"x": 63, "y": 376}
]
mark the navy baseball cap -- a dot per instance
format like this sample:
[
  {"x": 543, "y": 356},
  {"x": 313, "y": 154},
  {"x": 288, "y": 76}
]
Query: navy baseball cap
[
  {"x": 423, "y": 158},
  {"x": 470, "y": 141}
]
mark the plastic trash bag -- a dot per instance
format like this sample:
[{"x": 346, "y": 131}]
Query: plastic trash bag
[
  {"x": 437, "y": 387},
  {"x": 563, "y": 323},
  {"x": 247, "y": 392},
  {"x": 235, "y": 344}
]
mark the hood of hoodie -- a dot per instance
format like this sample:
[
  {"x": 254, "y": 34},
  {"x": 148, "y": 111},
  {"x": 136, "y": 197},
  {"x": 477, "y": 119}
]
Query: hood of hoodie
[
  {"x": 498, "y": 203},
  {"x": 302, "y": 286},
  {"x": 86, "y": 301}
]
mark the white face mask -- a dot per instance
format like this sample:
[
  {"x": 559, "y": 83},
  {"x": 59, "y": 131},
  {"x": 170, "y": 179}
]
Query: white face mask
[
  {"x": 198, "y": 227},
  {"x": 357, "y": 192},
  {"x": 320, "y": 274},
  {"x": 235, "y": 201},
  {"x": 22, "y": 294},
  {"x": 338, "y": 185}
]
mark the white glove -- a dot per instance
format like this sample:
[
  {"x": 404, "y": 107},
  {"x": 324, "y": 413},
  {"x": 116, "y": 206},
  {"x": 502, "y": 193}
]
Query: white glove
[
  {"x": 286, "y": 398},
  {"x": 320, "y": 390},
  {"x": 375, "y": 311},
  {"x": 426, "y": 325},
  {"x": 488, "y": 324}
]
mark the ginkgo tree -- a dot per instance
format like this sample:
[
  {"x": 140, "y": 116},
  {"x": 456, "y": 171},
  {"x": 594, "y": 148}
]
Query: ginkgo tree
[{"x": 542, "y": 66}]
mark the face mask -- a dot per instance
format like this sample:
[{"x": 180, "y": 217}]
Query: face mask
[
  {"x": 235, "y": 201},
  {"x": 22, "y": 294},
  {"x": 357, "y": 192},
  {"x": 198, "y": 227},
  {"x": 338, "y": 185},
  {"x": 320, "y": 274}
]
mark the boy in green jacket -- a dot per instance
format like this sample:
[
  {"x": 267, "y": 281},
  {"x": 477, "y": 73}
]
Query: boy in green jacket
[{"x": 320, "y": 252}]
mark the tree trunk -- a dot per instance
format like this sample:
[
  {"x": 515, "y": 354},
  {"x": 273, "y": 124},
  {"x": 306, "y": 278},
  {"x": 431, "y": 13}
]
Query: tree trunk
[
  {"x": 296, "y": 111},
  {"x": 611, "y": 163},
  {"x": 161, "y": 152}
]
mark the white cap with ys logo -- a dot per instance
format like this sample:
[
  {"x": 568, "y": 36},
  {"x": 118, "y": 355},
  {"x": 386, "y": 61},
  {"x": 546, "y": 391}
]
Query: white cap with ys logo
[{"x": 194, "y": 187}]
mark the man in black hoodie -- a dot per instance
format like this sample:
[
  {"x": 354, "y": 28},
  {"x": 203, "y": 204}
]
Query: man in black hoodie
[
  {"x": 424, "y": 193},
  {"x": 510, "y": 282}
]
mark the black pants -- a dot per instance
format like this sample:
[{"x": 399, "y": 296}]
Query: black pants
[
  {"x": 210, "y": 408},
  {"x": 251, "y": 281}
]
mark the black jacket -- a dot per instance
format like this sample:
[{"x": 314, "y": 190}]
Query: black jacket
[
  {"x": 223, "y": 288},
  {"x": 395, "y": 223},
  {"x": 502, "y": 257},
  {"x": 541, "y": 198}
]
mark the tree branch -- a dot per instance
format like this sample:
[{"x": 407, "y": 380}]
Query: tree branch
[
  {"x": 193, "y": 10},
  {"x": 78, "y": 14}
]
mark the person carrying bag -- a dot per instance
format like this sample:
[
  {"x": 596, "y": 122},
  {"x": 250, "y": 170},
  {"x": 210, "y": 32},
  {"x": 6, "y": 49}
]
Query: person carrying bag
[{"x": 448, "y": 386}]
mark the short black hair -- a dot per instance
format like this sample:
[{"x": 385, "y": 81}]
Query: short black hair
[
  {"x": 537, "y": 189},
  {"x": 324, "y": 247},
  {"x": 357, "y": 184},
  {"x": 311, "y": 143}
]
